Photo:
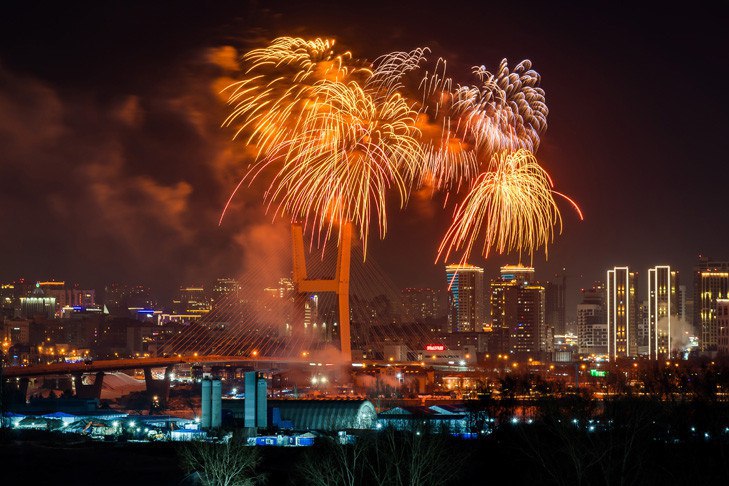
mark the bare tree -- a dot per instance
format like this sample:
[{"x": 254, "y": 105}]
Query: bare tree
[
  {"x": 429, "y": 459},
  {"x": 334, "y": 463},
  {"x": 385, "y": 458},
  {"x": 229, "y": 463}
]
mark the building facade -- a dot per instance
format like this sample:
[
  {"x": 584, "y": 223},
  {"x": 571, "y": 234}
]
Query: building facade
[
  {"x": 722, "y": 321},
  {"x": 556, "y": 304},
  {"x": 662, "y": 306},
  {"x": 622, "y": 307},
  {"x": 592, "y": 321},
  {"x": 711, "y": 282},
  {"x": 466, "y": 298},
  {"x": 529, "y": 337},
  {"x": 419, "y": 304},
  {"x": 518, "y": 313}
]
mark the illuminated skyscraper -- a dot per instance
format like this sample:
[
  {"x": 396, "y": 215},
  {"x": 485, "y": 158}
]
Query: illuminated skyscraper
[
  {"x": 622, "y": 306},
  {"x": 592, "y": 321},
  {"x": 529, "y": 334},
  {"x": 662, "y": 305},
  {"x": 503, "y": 300},
  {"x": 722, "y": 321},
  {"x": 466, "y": 298},
  {"x": 517, "y": 313},
  {"x": 517, "y": 273},
  {"x": 711, "y": 282}
]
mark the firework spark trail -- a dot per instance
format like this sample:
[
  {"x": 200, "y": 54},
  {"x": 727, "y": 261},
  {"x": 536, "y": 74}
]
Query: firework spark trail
[
  {"x": 511, "y": 205},
  {"x": 450, "y": 159},
  {"x": 347, "y": 152},
  {"x": 390, "y": 69},
  {"x": 503, "y": 111},
  {"x": 506, "y": 111},
  {"x": 339, "y": 134},
  {"x": 277, "y": 83}
]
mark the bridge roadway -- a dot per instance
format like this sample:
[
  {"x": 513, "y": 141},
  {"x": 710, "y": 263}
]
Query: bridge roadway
[{"x": 132, "y": 364}]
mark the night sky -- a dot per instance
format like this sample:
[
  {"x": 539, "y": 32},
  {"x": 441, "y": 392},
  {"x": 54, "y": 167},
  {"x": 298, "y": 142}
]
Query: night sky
[{"x": 113, "y": 165}]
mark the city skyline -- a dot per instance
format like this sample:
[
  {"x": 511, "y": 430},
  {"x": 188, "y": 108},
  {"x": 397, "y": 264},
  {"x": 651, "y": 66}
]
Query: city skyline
[
  {"x": 321, "y": 242},
  {"x": 78, "y": 235}
]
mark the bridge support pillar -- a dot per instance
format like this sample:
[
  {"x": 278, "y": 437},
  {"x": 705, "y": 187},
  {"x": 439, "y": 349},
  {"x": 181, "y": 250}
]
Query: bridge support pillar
[
  {"x": 338, "y": 285},
  {"x": 92, "y": 390},
  {"x": 158, "y": 388}
]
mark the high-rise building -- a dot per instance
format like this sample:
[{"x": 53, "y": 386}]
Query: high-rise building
[
  {"x": 622, "y": 307},
  {"x": 419, "y": 304},
  {"x": 518, "y": 313},
  {"x": 682, "y": 303},
  {"x": 592, "y": 321},
  {"x": 192, "y": 300},
  {"x": 662, "y": 300},
  {"x": 38, "y": 304},
  {"x": 503, "y": 300},
  {"x": 643, "y": 337},
  {"x": 466, "y": 300},
  {"x": 67, "y": 295},
  {"x": 518, "y": 273},
  {"x": 711, "y": 282},
  {"x": 225, "y": 292},
  {"x": 722, "y": 321},
  {"x": 555, "y": 303},
  {"x": 529, "y": 336}
]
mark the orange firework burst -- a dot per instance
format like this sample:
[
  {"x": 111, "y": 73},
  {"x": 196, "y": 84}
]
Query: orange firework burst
[
  {"x": 512, "y": 205},
  {"x": 504, "y": 111},
  {"x": 338, "y": 135},
  {"x": 344, "y": 155},
  {"x": 277, "y": 85}
]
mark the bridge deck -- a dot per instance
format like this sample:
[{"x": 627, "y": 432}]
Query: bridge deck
[{"x": 132, "y": 364}]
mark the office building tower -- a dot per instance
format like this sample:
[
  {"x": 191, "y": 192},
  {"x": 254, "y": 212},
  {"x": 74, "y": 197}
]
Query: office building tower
[
  {"x": 517, "y": 273},
  {"x": 503, "y": 300},
  {"x": 682, "y": 303},
  {"x": 592, "y": 321},
  {"x": 622, "y": 307},
  {"x": 38, "y": 304},
  {"x": 225, "y": 293},
  {"x": 68, "y": 296},
  {"x": 419, "y": 305},
  {"x": 517, "y": 313},
  {"x": 722, "y": 321},
  {"x": 529, "y": 336},
  {"x": 192, "y": 300},
  {"x": 643, "y": 337},
  {"x": 555, "y": 303},
  {"x": 467, "y": 310},
  {"x": 661, "y": 308},
  {"x": 711, "y": 282}
]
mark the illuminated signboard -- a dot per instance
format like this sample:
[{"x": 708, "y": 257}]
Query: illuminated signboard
[
  {"x": 598, "y": 373},
  {"x": 435, "y": 347}
]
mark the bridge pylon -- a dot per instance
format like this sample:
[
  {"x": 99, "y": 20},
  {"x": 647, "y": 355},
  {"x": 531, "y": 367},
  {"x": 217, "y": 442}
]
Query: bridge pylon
[{"x": 338, "y": 285}]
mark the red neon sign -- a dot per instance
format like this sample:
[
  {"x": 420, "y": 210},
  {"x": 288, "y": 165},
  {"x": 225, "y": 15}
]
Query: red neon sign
[{"x": 435, "y": 347}]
